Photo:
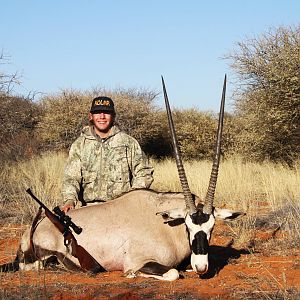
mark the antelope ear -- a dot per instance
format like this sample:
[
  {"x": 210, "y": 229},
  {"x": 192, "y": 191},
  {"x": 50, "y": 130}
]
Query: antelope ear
[
  {"x": 173, "y": 214},
  {"x": 226, "y": 214}
]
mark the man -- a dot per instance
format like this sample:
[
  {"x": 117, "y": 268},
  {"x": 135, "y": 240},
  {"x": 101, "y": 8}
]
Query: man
[{"x": 103, "y": 162}]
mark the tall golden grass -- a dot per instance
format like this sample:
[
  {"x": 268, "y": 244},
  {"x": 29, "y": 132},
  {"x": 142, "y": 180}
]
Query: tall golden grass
[
  {"x": 42, "y": 174},
  {"x": 241, "y": 185},
  {"x": 244, "y": 186}
]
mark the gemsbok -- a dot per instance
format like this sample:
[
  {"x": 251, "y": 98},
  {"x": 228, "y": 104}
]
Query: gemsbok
[{"x": 142, "y": 232}]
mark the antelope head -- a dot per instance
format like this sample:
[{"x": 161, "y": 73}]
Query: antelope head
[{"x": 199, "y": 220}]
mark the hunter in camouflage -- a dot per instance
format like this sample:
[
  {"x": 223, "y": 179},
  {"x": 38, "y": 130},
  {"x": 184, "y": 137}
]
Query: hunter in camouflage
[{"x": 103, "y": 162}]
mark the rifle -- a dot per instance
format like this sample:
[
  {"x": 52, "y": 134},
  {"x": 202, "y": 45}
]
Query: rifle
[{"x": 63, "y": 223}]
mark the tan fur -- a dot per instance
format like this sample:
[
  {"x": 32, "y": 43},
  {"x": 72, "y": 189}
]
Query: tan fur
[
  {"x": 125, "y": 234},
  {"x": 122, "y": 234}
]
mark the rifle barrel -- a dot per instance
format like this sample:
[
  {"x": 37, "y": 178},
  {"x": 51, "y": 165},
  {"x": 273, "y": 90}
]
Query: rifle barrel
[{"x": 37, "y": 200}]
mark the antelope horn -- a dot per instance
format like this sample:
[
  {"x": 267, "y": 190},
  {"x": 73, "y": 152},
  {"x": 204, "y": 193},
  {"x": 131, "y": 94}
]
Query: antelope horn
[
  {"x": 189, "y": 202},
  {"x": 209, "y": 199}
]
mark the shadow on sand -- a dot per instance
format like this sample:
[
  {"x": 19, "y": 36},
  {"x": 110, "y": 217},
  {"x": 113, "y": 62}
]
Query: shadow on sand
[{"x": 219, "y": 257}]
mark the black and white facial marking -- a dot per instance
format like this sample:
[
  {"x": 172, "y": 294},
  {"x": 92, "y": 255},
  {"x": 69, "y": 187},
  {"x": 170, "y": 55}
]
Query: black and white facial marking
[{"x": 200, "y": 226}]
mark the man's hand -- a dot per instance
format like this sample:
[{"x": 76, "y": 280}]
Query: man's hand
[{"x": 67, "y": 207}]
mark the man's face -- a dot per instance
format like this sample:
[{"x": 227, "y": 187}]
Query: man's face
[{"x": 102, "y": 121}]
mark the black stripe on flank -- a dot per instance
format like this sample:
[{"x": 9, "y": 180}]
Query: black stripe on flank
[
  {"x": 154, "y": 268},
  {"x": 200, "y": 243}
]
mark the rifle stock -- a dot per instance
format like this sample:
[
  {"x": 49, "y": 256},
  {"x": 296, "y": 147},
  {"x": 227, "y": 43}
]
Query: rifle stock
[{"x": 87, "y": 261}]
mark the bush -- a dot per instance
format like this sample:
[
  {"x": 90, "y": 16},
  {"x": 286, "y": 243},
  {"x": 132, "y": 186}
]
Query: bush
[
  {"x": 196, "y": 133},
  {"x": 18, "y": 119},
  {"x": 268, "y": 99},
  {"x": 64, "y": 115}
]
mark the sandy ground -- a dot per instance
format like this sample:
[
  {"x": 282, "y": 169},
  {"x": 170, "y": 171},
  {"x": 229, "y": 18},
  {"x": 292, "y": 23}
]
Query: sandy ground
[{"x": 234, "y": 274}]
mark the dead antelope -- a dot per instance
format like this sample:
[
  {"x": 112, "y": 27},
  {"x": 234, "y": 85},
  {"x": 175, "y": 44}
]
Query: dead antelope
[{"x": 143, "y": 232}]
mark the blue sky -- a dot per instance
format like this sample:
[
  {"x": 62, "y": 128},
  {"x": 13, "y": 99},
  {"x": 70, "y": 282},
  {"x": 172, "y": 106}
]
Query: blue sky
[{"x": 63, "y": 44}]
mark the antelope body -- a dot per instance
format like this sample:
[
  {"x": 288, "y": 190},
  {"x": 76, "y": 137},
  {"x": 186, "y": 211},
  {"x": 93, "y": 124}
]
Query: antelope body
[{"x": 124, "y": 234}]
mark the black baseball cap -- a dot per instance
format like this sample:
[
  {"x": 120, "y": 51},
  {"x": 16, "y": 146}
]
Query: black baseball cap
[{"x": 102, "y": 103}]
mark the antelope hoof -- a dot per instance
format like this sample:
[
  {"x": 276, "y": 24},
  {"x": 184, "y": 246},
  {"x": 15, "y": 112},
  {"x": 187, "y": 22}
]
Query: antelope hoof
[{"x": 130, "y": 274}]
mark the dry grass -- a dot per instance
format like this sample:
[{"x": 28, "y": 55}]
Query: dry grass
[
  {"x": 42, "y": 174},
  {"x": 256, "y": 189},
  {"x": 241, "y": 185},
  {"x": 272, "y": 290}
]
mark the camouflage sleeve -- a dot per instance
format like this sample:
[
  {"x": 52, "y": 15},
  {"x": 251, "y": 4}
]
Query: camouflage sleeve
[
  {"x": 72, "y": 175},
  {"x": 142, "y": 171}
]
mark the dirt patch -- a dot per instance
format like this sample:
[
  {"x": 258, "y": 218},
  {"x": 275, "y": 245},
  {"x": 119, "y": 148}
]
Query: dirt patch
[{"x": 234, "y": 274}]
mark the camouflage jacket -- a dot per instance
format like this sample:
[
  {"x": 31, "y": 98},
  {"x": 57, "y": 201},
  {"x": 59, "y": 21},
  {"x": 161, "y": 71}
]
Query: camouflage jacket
[{"x": 104, "y": 168}]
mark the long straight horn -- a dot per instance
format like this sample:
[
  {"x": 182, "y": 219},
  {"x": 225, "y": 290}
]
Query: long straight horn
[
  {"x": 190, "y": 204},
  {"x": 209, "y": 199}
]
